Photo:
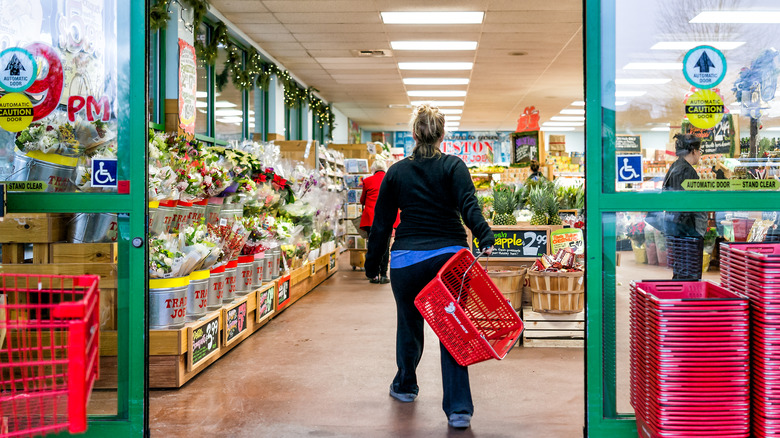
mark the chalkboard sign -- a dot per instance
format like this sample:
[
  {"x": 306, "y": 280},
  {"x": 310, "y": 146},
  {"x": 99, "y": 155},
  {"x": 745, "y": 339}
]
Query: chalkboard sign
[
  {"x": 202, "y": 341},
  {"x": 283, "y": 288},
  {"x": 525, "y": 147},
  {"x": 331, "y": 262},
  {"x": 265, "y": 302},
  {"x": 719, "y": 139},
  {"x": 235, "y": 321},
  {"x": 631, "y": 144},
  {"x": 517, "y": 243}
]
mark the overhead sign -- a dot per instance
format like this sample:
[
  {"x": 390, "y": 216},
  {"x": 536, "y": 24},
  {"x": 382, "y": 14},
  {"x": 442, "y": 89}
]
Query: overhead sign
[
  {"x": 104, "y": 172},
  {"x": 704, "y": 109},
  {"x": 629, "y": 168},
  {"x": 18, "y": 69},
  {"x": 188, "y": 86},
  {"x": 731, "y": 184},
  {"x": 704, "y": 66}
]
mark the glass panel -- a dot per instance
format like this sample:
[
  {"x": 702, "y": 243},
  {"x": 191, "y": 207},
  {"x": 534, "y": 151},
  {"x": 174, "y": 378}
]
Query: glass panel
[
  {"x": 228, "y": 107},
  {"x": 154, "y": 78},
  {"x": 202, "y": 103},
  {"x": 639, "y": 251},
  {"x": 59, "y": 108},
  {"x": 661, "y": 82},
  {"x": 256, "y": 113}
]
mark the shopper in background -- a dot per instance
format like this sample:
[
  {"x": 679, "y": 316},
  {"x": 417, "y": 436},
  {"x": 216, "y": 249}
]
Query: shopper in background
[
  {"x": 370, "y": 187},
  {"x": 434, "y": 191},
  {"x": 535, "y": 174},
  {"x": 685, "y": 229}
]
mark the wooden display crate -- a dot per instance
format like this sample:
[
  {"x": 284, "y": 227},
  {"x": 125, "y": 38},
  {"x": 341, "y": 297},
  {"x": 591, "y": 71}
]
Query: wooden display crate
[
  {"x": 553, "y": 330},
  {"x": 305, "y": 151}
]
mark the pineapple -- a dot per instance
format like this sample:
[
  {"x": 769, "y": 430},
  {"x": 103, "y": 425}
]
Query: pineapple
[
  {"x": 536, "y": 199},
  {"x": 503, "y": 205},
  {"x": 552, "y": 209}
]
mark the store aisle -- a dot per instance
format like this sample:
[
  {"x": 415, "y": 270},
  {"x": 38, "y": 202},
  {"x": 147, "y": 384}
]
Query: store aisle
[{"x": 323, "y": 368}]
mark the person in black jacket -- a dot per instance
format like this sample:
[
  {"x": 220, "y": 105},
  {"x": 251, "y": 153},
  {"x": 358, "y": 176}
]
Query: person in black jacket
[
  {"x": 685, "y": 229},
  {"x": 434, "y": 192}
]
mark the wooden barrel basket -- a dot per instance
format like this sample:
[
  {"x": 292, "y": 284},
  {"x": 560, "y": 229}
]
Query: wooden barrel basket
[
  {"x": 509, "y": 280},
  {"x": 557, "y": 292}
]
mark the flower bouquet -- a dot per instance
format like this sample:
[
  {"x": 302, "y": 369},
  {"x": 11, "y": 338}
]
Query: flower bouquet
[
  {"x": 50, "y": 135},
  {"x": 636, "y": 232}
]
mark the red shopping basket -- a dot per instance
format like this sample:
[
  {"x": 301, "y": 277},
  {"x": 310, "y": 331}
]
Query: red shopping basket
[
  {"x": 468, "y": 313},
  {"x": 49, "y": 329}
]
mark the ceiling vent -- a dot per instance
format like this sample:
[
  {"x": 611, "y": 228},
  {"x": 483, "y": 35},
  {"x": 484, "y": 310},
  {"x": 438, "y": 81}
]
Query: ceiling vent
[{"x": 372, "y": 53}]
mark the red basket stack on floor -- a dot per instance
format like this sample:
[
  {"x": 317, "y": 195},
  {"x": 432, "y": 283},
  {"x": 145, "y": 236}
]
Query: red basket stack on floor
[
  {"x": 760, "y": 271},
  {"x": 690, "y": 352}
]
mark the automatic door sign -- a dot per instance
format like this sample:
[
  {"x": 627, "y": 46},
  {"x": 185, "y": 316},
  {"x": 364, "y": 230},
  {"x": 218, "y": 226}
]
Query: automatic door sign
[
  {"x": 704, "y": 109},
  {"x": 18, "y": 69},
  {"x": 629, "y": 168},
  {"x": 104, "y": 172},
  {"x": 16, "y": 112},
  {"x": 704, "y": 66}
]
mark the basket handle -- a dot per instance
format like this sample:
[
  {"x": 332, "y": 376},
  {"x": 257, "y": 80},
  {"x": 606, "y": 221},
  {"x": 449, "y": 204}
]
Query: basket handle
[{"x": 463, "y": 280}]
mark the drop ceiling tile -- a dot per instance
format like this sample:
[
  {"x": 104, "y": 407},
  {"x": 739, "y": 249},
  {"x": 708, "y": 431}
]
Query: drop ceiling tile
[
  {"x": 319, "y": 6},
  {"x": 521, "y": 18},
  {"x": 261, "y": 38},
  {"x": 305, "y": 38},
  {"x": 240, "y": 18},
  {"x": 225, "y": 6},
  {"x": 536, "y": 5},
  {"x": 332, "y": 28},
  {"x": 330, "y": 17}
]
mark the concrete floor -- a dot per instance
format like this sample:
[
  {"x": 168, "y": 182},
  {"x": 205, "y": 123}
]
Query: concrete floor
[{"x": 323, "y": 368}]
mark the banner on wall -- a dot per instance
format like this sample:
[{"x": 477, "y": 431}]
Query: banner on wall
[
  {"x": 475, "y": 148},
  {"x": 188, "y": 86}
]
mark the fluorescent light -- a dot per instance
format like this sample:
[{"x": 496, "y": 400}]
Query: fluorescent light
[
  {"x": 436, "y": 93},
  {"x": 433, "y": 45},
  {"x": 688, "y": 45},
  {"x": 438, "y": 103},
  {"x": 567, "y": 118},
  {"x": 451, "y": 125},
  {"x": 561, "y": 129},
  {"x": 447, "y": 111},
  {"x": 201, "y": 94},
  {"x": 436, "y": 81},
  {"x": 228, "y": 112},
  {"x": 661, "y": 129},
  {"x": 776, "y": 128},
  {"x": 451, "y": 118},
  {"x": 578, "y": 103},
  {"x": 546, "y": 124},
  {"x": 230, "y": 119},
  {"x": 580, "y": 112},
  {"x": 642, "y": 81},
  {"x": 737, "y": 17},
  {"x": 432, "y": 17},
  {"x": 435, "y": 65},
  {"x": 653, "y": 66},
  {"x": 224, "y": 104},
  {"x": 620, "y": 102},
  {"x": 625, "y": 93},
  {"x": 199, "y": 104}
]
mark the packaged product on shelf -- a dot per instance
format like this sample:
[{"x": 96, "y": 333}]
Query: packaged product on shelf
[{"x": 564, "y": 260}]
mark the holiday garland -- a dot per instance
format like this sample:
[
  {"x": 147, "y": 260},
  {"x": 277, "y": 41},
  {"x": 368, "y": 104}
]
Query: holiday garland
[{"x": 256, "y": 71}]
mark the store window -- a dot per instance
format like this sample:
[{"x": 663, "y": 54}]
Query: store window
[
  {"x": 681, "y": 68},
  {"x": 257, "y": 113},
  {"x": 228, "y": 106},
  {"x": 204, "y": 88},
  {"x": 155, "y": 89}
]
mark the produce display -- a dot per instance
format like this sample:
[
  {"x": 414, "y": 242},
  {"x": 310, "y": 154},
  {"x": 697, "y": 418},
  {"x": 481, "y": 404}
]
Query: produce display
[
  {"x": 564, "y": 260},
  {"x": 504, "y": 204}
]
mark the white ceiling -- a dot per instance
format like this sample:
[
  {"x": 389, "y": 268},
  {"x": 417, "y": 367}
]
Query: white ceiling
[{"x": 316, "y": 41}]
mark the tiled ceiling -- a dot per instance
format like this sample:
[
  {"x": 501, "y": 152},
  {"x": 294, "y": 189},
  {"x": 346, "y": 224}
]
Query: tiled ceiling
[{"x": 529, "y": 54}]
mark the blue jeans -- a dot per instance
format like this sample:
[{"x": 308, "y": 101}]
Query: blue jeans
[{"x": 407, "y": 283}]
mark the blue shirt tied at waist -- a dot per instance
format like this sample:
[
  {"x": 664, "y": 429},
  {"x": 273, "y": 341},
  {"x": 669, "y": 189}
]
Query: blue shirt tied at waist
[{"x": 407, "y": 257}]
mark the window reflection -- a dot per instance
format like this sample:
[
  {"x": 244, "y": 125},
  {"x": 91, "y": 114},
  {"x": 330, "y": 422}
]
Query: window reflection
[
  {"x": 202, "y": 116},
  {"x": 228, "y": 107}
]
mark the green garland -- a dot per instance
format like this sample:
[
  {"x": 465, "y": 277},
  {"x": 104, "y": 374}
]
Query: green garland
[{"x": 159, "y": 16}]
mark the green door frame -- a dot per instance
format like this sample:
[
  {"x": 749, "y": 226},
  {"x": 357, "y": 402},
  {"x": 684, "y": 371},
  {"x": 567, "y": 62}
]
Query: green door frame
[
  {"x": 132, "y": 393},
  {"x": 601, "y": 416}
]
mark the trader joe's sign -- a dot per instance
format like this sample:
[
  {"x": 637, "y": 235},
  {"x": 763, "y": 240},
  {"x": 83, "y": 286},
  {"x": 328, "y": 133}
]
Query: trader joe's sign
[{"x": 517, "y": 243}]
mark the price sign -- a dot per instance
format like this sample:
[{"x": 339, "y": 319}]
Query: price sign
[
  {"x": 332, "y": 262},
  {"x": 517, "y": 243},
  {"x": 235, "y": 321},
  {"x": 283, "y": 288},
  {"x": 202, "y": 341},
  {"x": 525, "y": 147},
  {"x": 265, "y": 302}
]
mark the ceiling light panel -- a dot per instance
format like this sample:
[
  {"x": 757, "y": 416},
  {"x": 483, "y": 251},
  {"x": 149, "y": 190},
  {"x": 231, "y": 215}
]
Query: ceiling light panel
[
  {"x": 435, "y": 65},
  {"x": 642, "y": 81},
  {"x": 688, "y": 45},
  {"x": 545, "y": 124},
  {"x": 432, "y": 17},
  {"x": 567, "y": 118},
  {"x": 433, "y": 45},
  {"x": 573, "y": 111},
  {"x": 447, "y": 111},
  {"x": 578, "y": 103},
  {"x": 436, "y": 93},
  {"x": 752, "y": 17},
  {"x": 625, "y": 93},
  {"x": 436, "y": 81},
  {"x": 439, "y": 102}
]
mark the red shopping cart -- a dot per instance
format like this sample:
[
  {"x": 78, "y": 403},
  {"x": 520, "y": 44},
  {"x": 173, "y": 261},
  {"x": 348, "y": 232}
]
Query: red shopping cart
[
  {"x": 468, "y": 313},
  {"x": 49, "y": 330}
]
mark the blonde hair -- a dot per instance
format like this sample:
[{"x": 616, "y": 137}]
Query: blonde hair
[{"x": 428, "y": 127}]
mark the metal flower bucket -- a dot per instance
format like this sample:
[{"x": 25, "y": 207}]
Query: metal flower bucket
[
  {"x": 168, "y": 302},
  {"x": 55, "y": 170},
  {"x": 93, "y": 228}
]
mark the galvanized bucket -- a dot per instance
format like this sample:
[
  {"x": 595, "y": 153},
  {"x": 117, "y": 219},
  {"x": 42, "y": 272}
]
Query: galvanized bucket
[
  {"x": 212, "y": 210},
  {"x": 244, "y": 271},
  {"x": 180, "y": 215},
  {"x": 197, "y": 295},
  {"x": 93, "y": 228},
  {"x": 277, "y": 253},
  {"x": 197, "y": 212},
  {"x": 268, "y": 265},
  {"x": 55, "y": 170},
  {"x": 21, "y": 167},
  {"x": 257, "y": 273},
  {"x": 216, "y": 288},
  {"x": 229, "y": 213},
  {"x": 168, "y": 302},
  {"x": 230, "y": 281},
  {"x": 155, "y": 219},
  {"x": 166, "y": 211}
]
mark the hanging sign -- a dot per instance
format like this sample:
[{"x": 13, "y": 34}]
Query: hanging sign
[
  {"x": 472, "y": 149},
  {"x": 203, "y": 341},
  {"x": 188, "y": 86},
  {"x": 18, "y": 69},
  {"x": 525, "y": 147},
  {"x": 731, "y": 184},
  {"x": 720, "y": 139},
  {"x": 704, "y": 109},
  {"x": 704, "y": 66}
]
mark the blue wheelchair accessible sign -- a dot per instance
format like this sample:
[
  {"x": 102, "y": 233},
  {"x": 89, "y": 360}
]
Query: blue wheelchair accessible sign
[
  {"x": 629, "y": 168},
  {"x": 104, "y": 172}
]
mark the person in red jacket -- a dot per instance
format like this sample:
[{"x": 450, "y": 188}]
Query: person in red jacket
[{"x": 368, "y": 198}]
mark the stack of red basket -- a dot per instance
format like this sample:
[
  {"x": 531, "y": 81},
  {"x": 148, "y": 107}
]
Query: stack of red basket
[
  {"x": 763, "y": 288},
  {"x": 690, "y": 353}
]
